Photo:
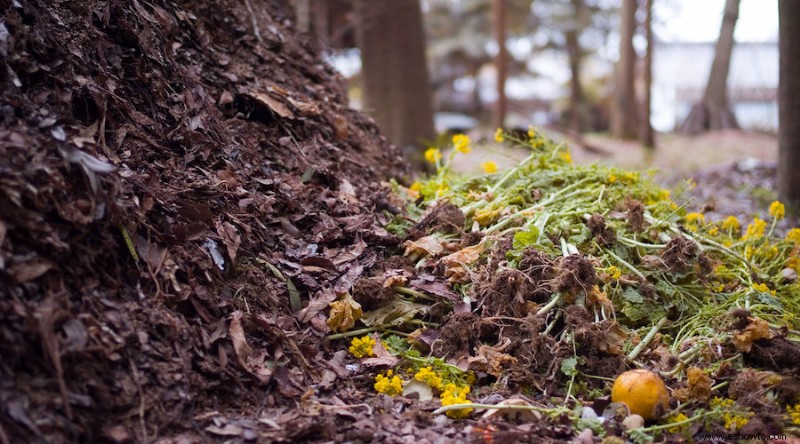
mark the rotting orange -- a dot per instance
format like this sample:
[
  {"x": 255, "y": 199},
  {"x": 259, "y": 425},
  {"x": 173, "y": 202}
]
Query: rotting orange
[{"x": 643, "y": 392}]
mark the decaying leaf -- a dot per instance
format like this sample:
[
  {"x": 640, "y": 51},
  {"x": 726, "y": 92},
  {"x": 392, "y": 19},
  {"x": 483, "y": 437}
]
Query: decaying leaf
[
  {"x": 395, "y": 312},
  {"x": 521, "y": 415},
  {"x": 251, "y": 360},
  {"x": 344, "y": 313},
  {"x": 419, "y": 389},
  {"x": 424, "y": 246},
  {"x": 398, "y": 277},
  {"x": 455, "y": 263},
  {"x": 273, "y": 104},
  {"x": 491, "y": 359},
  {"x": 755, "y": 330}
]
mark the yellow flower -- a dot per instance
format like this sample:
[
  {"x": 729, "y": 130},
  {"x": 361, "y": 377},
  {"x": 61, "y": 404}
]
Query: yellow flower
[
  {"x": 793, "y": 236},
  {"x": 428, "y": 376},
  {"x": 695, "y": 218},
  {"x": 756, "y": 229},
  {"x": 762, "y": 288},
  {"x": 389, "y": 384},
  {"x": 777, "y": 210},
  {"x": 677, "y": 418},
  {"x": 531, "y": 132},
  {"x": 614, "y": 272},
  {"x": 461, "y": 143},
  {"x": 691, "y": 184},
  {"x": 416, "y": 186},
  {"x": 794, "y": 263},
  {"x": 734, "y": 421},
  {"x": 498, "y": 135},
  {"x": 433, "y": 155},
  {"x": 452, "y": 395},
  {"x": 713, "y": 231},
  {"x": 361, "y": 347},
  {"x": 611, "y": 178},
  {"x": 566, "y": 157},
  {"x": 664, "y": 195},
  {"x": 794, "y": 414},
  {"x": 489, "y": 167},
  {"x": 731, "y": 223}
]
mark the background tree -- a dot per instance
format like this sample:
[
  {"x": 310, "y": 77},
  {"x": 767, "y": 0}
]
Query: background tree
[
  {"x": 624, "y": 108},
  {"x": 397, "y": 88},
  {"x": 789, "y": 102},
  {"x": 501, "y": 60},
  {"x": 578, "y": 28},
  {"x": 647, "y": 136},
  {"x": 714, "y": 112}
]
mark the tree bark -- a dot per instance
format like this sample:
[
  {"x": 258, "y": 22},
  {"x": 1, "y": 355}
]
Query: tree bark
[
  {"x": 714, "y": 112},
  {"x": 575, "y": 57},
  {"x": 789, "y": 102},
  {"x": 624, "y": 109},
  {"x": 501, "y": 60},
  {"x": 647, "y": 136},
  {"x": 397, "y": 89}
]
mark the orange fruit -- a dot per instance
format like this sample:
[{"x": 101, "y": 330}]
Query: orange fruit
[{"x": 643, "y": 392}]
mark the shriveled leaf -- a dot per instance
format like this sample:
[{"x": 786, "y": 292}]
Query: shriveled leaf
[
  {"x": 755, "y": 330},
  {"x": 396, "y": 312},
  {"x": 456, "y": 263},
  {"x": 428, "y": 245},
  {"x": 344, "y": 313}
]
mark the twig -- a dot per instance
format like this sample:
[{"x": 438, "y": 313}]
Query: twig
[{"x": 253, "y": 21}]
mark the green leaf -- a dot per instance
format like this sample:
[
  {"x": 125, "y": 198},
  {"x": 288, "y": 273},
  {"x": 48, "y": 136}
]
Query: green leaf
[
  {"x": 524, "y": 239},
  {"x": 569, "y": 366},
  {"x": 631, "y": 294}
]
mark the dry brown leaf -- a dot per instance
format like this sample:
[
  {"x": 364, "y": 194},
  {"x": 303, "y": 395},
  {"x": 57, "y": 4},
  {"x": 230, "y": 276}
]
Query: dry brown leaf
[
  {"x": 28, "y": 271},
  {"x": 255, "y": 363},
  {"x": 755, "y": 330},
  {"x": 428, "y": 245},
  {"x": 273, "y": 104},
  {"x": 344, "y": 314},
  {"x": 456, "y": 263}
]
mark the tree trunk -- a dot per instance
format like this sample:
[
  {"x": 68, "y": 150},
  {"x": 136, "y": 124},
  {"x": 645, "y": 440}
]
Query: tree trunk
[
  {"x": 714, "y": 111},
  {"x": 572, "y": 37},
  {"x": 501, "y": 60},
  {"x": 397, "y": 88},
  {"x": 624, "y": 109},
  {"x": 789, "y": 103},
  {"x": 647, "y": 136}
]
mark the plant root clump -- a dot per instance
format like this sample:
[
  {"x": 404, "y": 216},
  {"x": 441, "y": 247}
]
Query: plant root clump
[
  {"x": 604, "y": 235},
  {"x": 444, "y": 217},
  {"x": 679, "y": 254},
  {"x": 371, "y": 294},
  {"x": 635, "y": 210},
  {"x": 575, "y": 273}
]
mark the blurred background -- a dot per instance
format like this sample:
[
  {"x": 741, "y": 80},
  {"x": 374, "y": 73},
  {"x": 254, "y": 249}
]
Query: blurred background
[{"x": 679, "y": 84}]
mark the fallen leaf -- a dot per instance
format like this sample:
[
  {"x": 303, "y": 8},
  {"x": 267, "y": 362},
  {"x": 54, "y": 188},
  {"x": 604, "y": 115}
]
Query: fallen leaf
[
  {"x": 273, "y": 104},
  {"x": 28, "y": 271},
  {"x": 344, "y": 314},
  {"x": 755, "y": 330},
  {"x": 428, "y": 245}
]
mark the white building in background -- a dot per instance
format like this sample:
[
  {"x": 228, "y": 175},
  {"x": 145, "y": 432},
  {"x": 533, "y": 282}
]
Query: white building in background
[{"x": 680, "y": 74}]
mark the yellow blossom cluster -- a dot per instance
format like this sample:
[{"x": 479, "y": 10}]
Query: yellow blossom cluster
[
  {"x": 428, "y": 376},
  {"x": 777, "y": 210},
  {"x": 756, "y": 229},
  {"x": 565, "y": 156},
  {"x": 614, "y": 272},
  {"x": 794, "y": 414},
  {"x": 360, "y": 347},
  {"x": 389, "y": 384},
  {"x": 433, "y": 155},
  {"x": 489, "y": 167},
  {"x": 676, "y": 419},
  {"x": 762, "y": 288},
  {"x": 731, "y": 225},
  {"x": 461, "y": 143},
  {"x": 454, "y": 394},
  {"x": 793, "y": 236},
  {"x": 498, "y": 135}
]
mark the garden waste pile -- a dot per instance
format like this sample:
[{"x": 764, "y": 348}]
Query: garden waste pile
[{"x": 524, "y": 294}]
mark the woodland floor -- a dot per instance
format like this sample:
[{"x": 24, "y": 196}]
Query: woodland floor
[{"x": 183, "y": 192}]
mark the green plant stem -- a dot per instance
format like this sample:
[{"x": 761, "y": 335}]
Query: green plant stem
[
  {"x": 626, "y": 264},
  {"x": 350, "y": 333},
  {"x": 532, "y": 408},
  {"x": 549, "y": 305},
  {"x": 413, "y": 293},
  {"x": 647, "y": 339}
]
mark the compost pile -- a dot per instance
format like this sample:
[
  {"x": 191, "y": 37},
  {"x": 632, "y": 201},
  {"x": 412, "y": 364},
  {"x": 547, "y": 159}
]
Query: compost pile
[
  {"x": 176, "y": 178},
  {"x": 532, "y": 289}
]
